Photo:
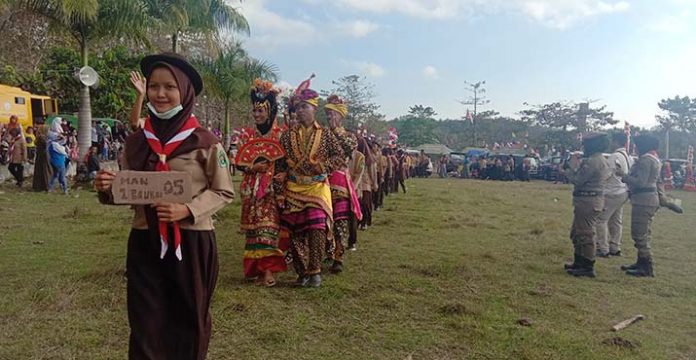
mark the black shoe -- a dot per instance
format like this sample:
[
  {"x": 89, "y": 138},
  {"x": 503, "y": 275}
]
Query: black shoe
[
  {"x": 302, "y": 281},
  {"x": 602, "y": 254},
  {"x": 585, "y": 268},
  {"x": 337, "y": 267},
  {"x": 573, "y": 265},
  {"x": 644, "y": 268},
  {"x": 629, "y": 267},
  {"x": 615, "y": 253},
  {"x": 314, "y": 281}
]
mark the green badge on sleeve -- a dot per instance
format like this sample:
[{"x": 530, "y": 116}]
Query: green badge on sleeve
[{"x": 222, "y": 160}]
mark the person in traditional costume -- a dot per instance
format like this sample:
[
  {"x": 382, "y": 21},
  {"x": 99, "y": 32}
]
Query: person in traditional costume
[
  {"x": 378, "y": 194},
  {"x": 357, "y": 169},
  {"x": 367, "y": 185},
  {"x": 172, "y": 260},
  {"x": 344, "y": 198},
  {"x": 312, "y": 153},
  {"x": 290, "y": 114},
  {"x": 262, "y": 160}
]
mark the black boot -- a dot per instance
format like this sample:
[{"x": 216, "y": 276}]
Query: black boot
[
  {"x": 574, "y": 265},
  {"x": 630, "y": 267},
  {"x": 337, "y": 267},
  {"x": 644, "y": 268},
  {"x": 585, "y": 268}
]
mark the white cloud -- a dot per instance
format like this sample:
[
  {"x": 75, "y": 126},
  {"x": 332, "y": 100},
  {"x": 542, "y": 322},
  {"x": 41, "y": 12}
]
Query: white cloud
[
  {"x": 369, "y": 69},
  {"x": 284, "y": 85},
  {"x": 270, "y": 30},
  {"x": 358, "y": 28},
  {"x": 672, "y": 23},
  {"x": 430, "y": 72},
  {"x": 559, "y": 14},
  {"x": 436, "y": 9},
  {"x": 562, "y": 14}
]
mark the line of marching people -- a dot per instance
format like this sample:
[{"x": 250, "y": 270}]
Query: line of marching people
[{"x": 307, "y": 189}]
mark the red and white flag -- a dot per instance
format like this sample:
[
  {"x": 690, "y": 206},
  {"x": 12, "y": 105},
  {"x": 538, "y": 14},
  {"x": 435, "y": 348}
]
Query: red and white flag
[{"x": 469, "y": 116}]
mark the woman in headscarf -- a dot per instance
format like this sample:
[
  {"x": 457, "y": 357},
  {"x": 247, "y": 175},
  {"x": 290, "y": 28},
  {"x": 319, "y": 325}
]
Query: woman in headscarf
[
  {"x": 58, "y": 155},
  {"x": 42, "y": 169},
  {"x": 262, "y": 192},
  {"x": 172, "y": 261}
]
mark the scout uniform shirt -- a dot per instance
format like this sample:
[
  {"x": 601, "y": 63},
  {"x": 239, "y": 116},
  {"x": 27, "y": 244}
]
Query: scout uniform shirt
[
  {"x": 211, "y": 185},
  {"x": 589, "y": 178},
  {"x": 642, "y": 180}
]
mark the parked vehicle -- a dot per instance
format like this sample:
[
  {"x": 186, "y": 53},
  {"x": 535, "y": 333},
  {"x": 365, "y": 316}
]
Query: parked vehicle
[
  {"x": 550, "y": 168},
  {"x": 30, "y": 109}
]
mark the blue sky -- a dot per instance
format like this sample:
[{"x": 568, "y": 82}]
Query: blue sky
[{"x": 624, "y": 54}]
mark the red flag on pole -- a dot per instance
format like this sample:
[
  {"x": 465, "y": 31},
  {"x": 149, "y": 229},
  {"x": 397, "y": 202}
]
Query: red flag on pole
[
  {"x": 690, "y": 184},
  {"x": 469, "y": 117}
]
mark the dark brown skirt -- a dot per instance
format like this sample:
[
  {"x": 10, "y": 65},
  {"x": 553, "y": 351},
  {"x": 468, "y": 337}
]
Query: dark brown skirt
[
  {"x": 168, "y": 299},
  {"x": 42, "y": 170}
]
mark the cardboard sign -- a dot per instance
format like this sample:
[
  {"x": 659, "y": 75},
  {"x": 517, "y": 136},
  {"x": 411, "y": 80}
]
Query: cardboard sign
[{"x": 150, "y": 187}]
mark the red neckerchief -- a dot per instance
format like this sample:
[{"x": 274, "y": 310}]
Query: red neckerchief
[
  {"x": 163, "y": 151},
  {"x": 653, "y": 154}
]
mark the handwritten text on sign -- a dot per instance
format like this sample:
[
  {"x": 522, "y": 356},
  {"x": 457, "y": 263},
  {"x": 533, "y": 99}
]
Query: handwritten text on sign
[{"x": 149, "y": 187}]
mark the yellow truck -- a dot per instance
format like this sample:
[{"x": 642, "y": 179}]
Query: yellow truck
[{"x": 31, "y": 109}]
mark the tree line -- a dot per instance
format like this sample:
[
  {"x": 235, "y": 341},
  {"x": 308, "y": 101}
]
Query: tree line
[{"x": 549, "y": 125}]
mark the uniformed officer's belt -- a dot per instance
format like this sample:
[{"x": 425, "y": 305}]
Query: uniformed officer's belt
[
  {"x": 307, "y": 180},
  {"x": 644, "y": 190},
  {"x": 581, "y": 193}
]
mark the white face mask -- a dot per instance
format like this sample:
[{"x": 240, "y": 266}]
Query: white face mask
[{"x": 167, "y": 114}]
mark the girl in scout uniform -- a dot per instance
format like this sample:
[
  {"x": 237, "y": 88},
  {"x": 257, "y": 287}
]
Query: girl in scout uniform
[{"x": 172, "y": 261}]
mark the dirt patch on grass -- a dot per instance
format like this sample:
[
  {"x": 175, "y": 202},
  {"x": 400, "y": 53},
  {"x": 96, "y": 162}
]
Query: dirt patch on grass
[
  {"x": 536, "y": 231},
  {"x": 541, "y": 291},
  {"x": 459, "y": 309},
  {"x": 236, "y": 307},
  {"x": 621, "y": 343}
]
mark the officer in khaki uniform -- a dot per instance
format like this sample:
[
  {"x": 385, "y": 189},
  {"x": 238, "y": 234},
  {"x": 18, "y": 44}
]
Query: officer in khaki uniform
[
  {"x": 609, "y": 225},
  {"x": 589, "y": 178},
  {"x": 642, "y": 184}
]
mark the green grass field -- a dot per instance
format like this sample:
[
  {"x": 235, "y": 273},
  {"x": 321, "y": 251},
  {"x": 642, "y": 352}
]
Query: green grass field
[{"x": 445, "y": 273}]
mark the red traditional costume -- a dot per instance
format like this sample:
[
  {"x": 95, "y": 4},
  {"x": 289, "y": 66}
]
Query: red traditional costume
[{"x": 261, "y": 195}]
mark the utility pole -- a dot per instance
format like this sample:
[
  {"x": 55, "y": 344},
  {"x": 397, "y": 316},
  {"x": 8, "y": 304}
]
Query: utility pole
[{"x": 475, "y": 99}]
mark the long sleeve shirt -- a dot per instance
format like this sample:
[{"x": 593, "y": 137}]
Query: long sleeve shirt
[
  {"x": 591, "y": 175},
  {"x": 18, "y": 153},
  {"x": 642, "y": 180},
  {"x": 619, "y": 160},
  {"x": 211, "y": 186}
]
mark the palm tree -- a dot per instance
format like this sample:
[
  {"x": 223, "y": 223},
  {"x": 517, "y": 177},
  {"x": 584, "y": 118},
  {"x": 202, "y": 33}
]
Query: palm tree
[
  {"x": 88, "y": 21},
  {"x": 229, "y": 76},
  {"x": 204, "y": 17}
]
